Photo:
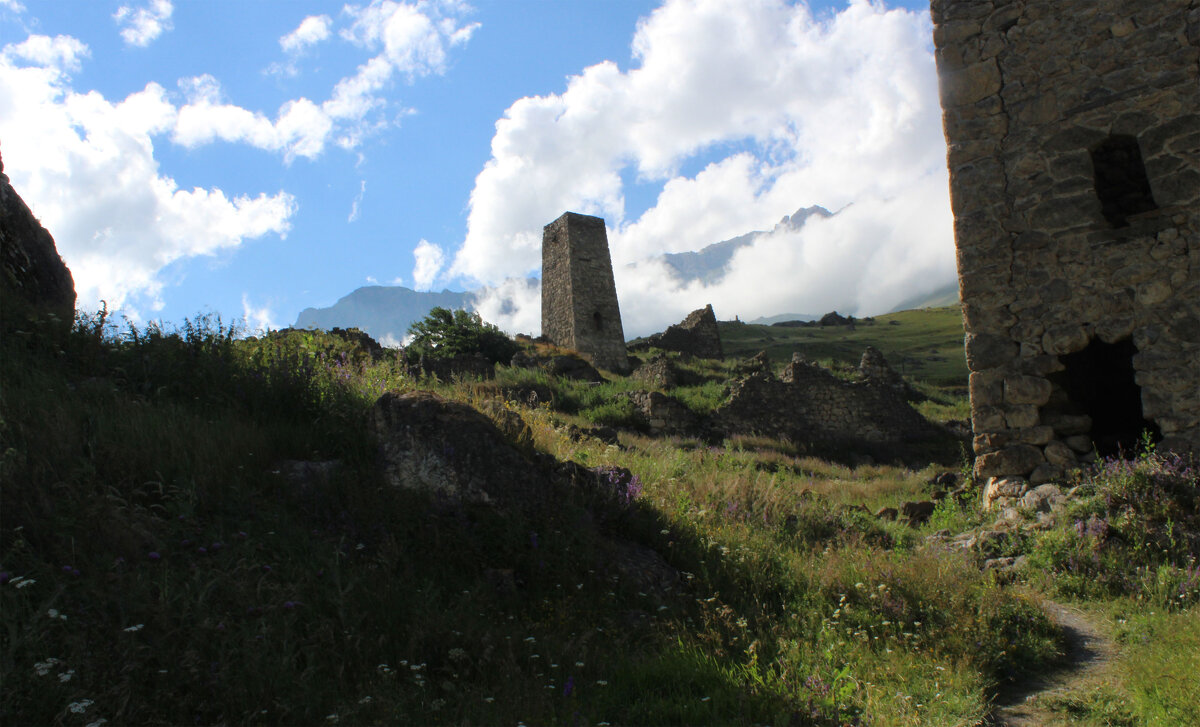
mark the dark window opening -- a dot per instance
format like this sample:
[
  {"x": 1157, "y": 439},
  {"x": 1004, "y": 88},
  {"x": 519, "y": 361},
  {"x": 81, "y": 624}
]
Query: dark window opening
[
  {"x": 597, "y": 321},
  {"x": 1121, "y": 181},
  {"x": 1099, "y": 382}
]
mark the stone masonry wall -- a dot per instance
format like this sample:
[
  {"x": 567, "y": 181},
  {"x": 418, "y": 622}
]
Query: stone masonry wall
[
  {"x": 1073, "y": 132},
  {"x": 807, "y": 403},
  {"x": 579, "y": 297},
  {"x": 697, "y": 335}
]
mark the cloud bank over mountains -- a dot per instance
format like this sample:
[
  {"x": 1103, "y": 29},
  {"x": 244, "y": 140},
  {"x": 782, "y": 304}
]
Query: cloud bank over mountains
[{"x": 840, "y": 111}]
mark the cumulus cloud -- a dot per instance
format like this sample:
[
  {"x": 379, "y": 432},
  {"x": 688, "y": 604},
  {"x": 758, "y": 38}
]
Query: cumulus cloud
[
  {"x": 62, "y": 52},
  {"x": 300, "y": 127},
  {"x": 408, "y": 39},
  {"x": 12, "y": 5},
  {"x": 86, "y": 167},
  {"x": 429, "y": 261},
  {"x": 141, "y": 26},
  {"x": 312, "y": 30},
  {"x": 784, "y": 110}
]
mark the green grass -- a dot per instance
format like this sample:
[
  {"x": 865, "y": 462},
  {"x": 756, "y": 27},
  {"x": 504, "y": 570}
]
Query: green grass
[
  {"x": 924, "y": 344},
  {"x": 143, "y": 500}
]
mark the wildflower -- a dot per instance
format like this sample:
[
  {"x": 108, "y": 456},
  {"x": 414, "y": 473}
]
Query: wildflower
[
  {"x": 66, "y": 676},
  {"x": 43, "y": 667},
  {"x": 97, "y": 723},
  {"x": 579, "y": 664},
  {"x": 332, "y": 717},
  {"x": 705, "y": 699},
  {"x": 530, "y": 640},
  {"x": 22, "y": 582},
  {"x": 601, "y": 683},
  {"x": 5, "y": 577},
  {"x": 569, "y": 687},
  {"x": 153, "y": 555},
  {"x": 489, "y": 700},
  {"x": 202, "y": 550},
  {"x": 80, "y": 707},
  {"x": 52, "y": 613}
]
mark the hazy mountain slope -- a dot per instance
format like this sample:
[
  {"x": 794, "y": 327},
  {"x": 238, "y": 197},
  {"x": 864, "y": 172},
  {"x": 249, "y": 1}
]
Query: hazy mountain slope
[
  {"x": 382, "y": 311},
  {"x": 708, "y": 264}
]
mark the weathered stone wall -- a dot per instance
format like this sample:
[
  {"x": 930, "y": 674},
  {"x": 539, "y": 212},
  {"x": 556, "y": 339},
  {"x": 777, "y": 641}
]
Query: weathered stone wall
[
  {"x": 579, "y": 297},
  {"x": 697, "y": 335},
  {"x": 807, "y": 403},
  {"x": 1074, "y": 156}
]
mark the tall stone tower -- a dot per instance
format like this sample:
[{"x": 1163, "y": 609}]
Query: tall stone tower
[
  {"x": 1073, "y": 131},
  {"x": 579, "y": 298}
]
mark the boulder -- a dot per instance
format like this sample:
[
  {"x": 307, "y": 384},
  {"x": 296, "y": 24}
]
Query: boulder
[
  {"x": 1000, "y": 489},
  {"x": 30, "y": 268},
  {"x": 887, "y": 513},
  {"x": 431, "y": 444},
  {"x": 917, "y": 513}
]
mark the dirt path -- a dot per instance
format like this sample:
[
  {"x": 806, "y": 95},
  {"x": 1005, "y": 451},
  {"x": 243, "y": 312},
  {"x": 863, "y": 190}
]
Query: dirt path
[{"x": 1089, "y": 655}]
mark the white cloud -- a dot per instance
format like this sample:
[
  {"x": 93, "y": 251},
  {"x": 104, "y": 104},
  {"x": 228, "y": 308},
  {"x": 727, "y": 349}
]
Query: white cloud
[
  {"x": 259, "y": 319},
  {"x": 300, "y": 127},
  {"x": 86, "y": 167},
  {"x": 356, "y": 204},
  {"x": 405, "y": 38},
  {"x": 61, "y": 52},
  {"x": 12, "y": 5},
  {"x": 429, "y": 261},
  {"x": 788, "y": 110},
  {"x": 141, "y": 26},
  {"x": 312, "y": 30}
]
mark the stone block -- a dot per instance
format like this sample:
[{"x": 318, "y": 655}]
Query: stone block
[
  {"x": 986, "y": 388},
  {"x": 1015, "y": 459},
  {"x": 1059, "y": 454},
  {"x": 1021, "y": 415},
  {"x": 971, "y": 84},
  {"x": 988, "y": 351},
  {"x": 1064, "y": 339},
  {"x": 1026, "y": 390}
]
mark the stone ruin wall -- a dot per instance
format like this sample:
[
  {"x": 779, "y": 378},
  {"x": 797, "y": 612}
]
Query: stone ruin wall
[
  {"x": 1065, "y": 237},
  {"x": 579, "y": 297},
  {"x": 809, "y": 404}
]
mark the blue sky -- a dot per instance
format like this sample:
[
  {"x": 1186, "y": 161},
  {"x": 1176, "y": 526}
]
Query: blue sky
[{"x": 255, "y": 158}]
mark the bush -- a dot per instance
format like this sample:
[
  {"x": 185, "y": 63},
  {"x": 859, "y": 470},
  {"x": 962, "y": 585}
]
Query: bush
[{"x": 446, "y": 334}]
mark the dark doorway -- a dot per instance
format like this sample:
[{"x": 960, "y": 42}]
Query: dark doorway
[
  {"x": 1099, "y": 381},
  {"x": 597, "y": 321},
  {"x": 1121, "y": 181}
]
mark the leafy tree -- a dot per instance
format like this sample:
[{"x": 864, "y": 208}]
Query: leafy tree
[{"x": 445, "y": 333}]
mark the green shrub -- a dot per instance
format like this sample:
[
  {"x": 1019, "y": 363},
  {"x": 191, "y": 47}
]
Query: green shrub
[{"x": 446, "y": 334}]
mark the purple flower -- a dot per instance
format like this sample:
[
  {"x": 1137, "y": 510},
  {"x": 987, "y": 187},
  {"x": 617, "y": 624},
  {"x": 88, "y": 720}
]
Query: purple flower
[
  {"x": 569, "y": 687},
  {"x": 5, "y": 577},
  {"x": 154, "y": 555},
  {"x": 202, "y": 550}
]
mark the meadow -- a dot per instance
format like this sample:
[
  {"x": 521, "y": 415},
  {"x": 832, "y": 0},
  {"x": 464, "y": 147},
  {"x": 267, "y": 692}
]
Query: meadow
[{"x": 159, "y": 563}]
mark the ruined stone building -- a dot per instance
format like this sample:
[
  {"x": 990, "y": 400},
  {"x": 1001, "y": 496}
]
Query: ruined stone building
[
  {"x": 579, "y": 298},
  {"x": 1073, "y": 131}
]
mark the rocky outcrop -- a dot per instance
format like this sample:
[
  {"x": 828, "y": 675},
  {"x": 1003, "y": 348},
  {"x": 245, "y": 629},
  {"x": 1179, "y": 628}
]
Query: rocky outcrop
[
  {"x": 30, "y": 268},
  {"x": 663, "y": 414},
  {"x": 445, "y": 447},
  {"x": 696, "y": 335}
]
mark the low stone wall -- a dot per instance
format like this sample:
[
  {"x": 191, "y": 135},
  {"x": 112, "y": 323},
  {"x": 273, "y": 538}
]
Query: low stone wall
[
  {"x": 809, "y": 404},
  {"x": 697, "y": 335}
]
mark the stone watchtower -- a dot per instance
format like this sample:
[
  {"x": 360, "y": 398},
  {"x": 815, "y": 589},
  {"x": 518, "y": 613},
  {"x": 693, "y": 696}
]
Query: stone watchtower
[
  {"x": 579, "y": 298},
  {"x": 1073, "y": 131}
]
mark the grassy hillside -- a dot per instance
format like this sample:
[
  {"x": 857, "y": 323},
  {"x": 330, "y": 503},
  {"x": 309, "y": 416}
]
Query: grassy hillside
[
  {"x": 926, "y": 345},
  {"x": 159, "y": 564}
]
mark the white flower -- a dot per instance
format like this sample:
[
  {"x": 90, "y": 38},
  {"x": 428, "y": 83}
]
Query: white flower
[
  {"x": 22, "y": 582},
  {"x": 97, "y": 723},
  {"x": 79, "y": 707},
  {"x": 66, "y": 675},
  {"x": 52, "y": 613},
  {"x": 135, "y": 627}
]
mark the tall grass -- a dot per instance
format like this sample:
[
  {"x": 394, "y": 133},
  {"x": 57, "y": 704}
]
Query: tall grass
[{"x": 160, "y": 565}]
